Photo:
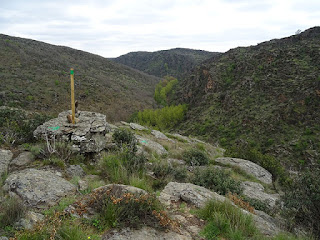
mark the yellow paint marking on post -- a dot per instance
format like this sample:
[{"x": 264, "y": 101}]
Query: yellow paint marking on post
[{"x": 72, "y": 96}]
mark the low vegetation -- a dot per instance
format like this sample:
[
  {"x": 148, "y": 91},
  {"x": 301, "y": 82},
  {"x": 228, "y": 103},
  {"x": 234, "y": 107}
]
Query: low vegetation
[{"x": 164, "y": 118}]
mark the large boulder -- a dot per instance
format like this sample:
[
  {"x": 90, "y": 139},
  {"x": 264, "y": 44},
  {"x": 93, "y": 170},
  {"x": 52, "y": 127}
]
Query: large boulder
[
  {"x": 256, "y": 191},
  {"x": 38, "y": 188},
  {"x": 194, "y": 194},
  {"x": 160, "y": 135},
  {"x": 249, "y": 167},
  {"x": 21, "y": 161},
  {"x": 87, "y": 134},
  {"x": 158, "y": 148},
  {"x": 198, "y": 196},
  {"x": 147, "y": 233},
  {"x": 136, "y": 126},
  {"x": 5, "y": 158}
]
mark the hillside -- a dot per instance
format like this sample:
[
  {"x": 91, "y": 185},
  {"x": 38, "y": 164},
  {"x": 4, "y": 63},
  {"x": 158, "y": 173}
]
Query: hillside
[
  {"x": 174, "y": 62},
  {"x": 263, "y": 97},
  {"x": 35, "y": 76}
]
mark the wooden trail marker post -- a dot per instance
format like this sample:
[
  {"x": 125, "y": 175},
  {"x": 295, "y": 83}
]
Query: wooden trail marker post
[{"x": 72, "y": 96}]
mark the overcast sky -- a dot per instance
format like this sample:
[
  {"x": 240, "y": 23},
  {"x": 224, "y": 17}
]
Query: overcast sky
[{"x": 111, "y": 28}]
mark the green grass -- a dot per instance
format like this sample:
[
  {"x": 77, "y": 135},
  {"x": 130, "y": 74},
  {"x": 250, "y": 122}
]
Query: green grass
[{"x": 225, "y": 220}]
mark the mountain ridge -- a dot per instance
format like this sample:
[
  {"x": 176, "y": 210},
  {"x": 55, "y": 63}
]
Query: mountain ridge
[
  {"x": 174, "y": 62},
  {"x": 34, "y": 76}
]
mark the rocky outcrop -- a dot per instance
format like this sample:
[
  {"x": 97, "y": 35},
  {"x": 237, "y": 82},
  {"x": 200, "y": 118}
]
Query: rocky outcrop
[
  {"x": 160, "y": 135},
  {"x": 256, "y": 191},
  {"x": 249, "y": 167},
  {"x": 75, "y": 171},
  {"x": 87, "y": 134},
  {"x": 38, "y": 188},
  {"x": 29, "y": 220},
  {"x": 22, "y": 160},
  {"x": 144, "y": 233},
  {"x": 158, "y": 148},
  {"x": 198, "y": 196},
  {"x": 188, "y": 192},
  {"x": 5, "y": 158},
  {"x": 136, "y": 126}
]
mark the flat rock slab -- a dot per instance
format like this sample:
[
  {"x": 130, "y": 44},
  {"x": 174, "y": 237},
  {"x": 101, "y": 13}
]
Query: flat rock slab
[
  {"x": 23, "y": 159},
  {"x": 87, "y": 134},
  {"x": 38, "y": 188},
  {"x": 256, "y": 191},
  {"x": 136, "y": 126},
  {"x": 158, "y": 148},
  {"x": 5, "y": 158},
  {"x": 188, "y": 192},
  {"x": 160, "y": 135},
  {"x": 146, "y": 233},
  {"x": 249, "y": 167}
]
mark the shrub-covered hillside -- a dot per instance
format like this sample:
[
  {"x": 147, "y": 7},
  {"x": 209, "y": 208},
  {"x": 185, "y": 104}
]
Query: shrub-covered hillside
[
  {"x": 35, "y": 76},
  {"x": 263, "y": 98}
]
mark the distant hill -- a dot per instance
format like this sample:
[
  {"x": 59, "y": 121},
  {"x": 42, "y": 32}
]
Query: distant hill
[
  {"x": 265, "y": 97},
  {"x": 35, "y": 76},
  {"x": 174, "y": 62}
]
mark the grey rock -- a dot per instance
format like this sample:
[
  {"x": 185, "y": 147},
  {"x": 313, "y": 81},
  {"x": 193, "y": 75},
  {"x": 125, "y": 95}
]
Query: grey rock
[
  {"x": 5, "y": 158},
  {"x": 4, "y": 238},
  {"x": 87, "y": 134},
  {"x": 249, "y": 167},
  {"x": 83, "y": 185},
  {"x": 184, "y": 138},
  {"x": 38, "y": 188},
  {"x": 256, "y": 191},
  {"x": 158, "y": 148},
  {"x": 160, "y": 135},
  {"x": 175, "y": 162},
  {"x": 136, "y": 126},
  {"x": 266, "y": 224},
  {"x": 198, "y": 196},
  {"x": 146, "y": 233},
  {"x": 75, "y": 170},
  {"x": 124, "y": 123},
  {"x": 188, "y": 192},
  {"x": 23, "y": 159},
  {"x": 121, "y": 189},
  {"x": 30, "y": 219}
]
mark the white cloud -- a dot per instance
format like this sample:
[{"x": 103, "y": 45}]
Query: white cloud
[{"x": 114, "y": 27}]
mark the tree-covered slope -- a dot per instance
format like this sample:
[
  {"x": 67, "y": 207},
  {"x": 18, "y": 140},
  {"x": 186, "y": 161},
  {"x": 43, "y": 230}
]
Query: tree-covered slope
[
  {"x": 35, "y": 76},
  {"x": 173, "y": 62},
  {"x": 264, "y": 97}
]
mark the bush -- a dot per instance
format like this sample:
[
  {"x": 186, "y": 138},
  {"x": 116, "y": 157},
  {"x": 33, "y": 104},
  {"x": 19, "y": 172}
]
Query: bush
[
  {"x": 227, "y": 222},
  {"x": 164, "y": 118},
  {"x": 16, "y": 126},
  {"x": 125, "y": 137},
  {"x": 11, "y": 209},
  {"x": 302, "y": 200},
  {"x": 217, "y": 180},
  {"x": 195, "y": 157}
]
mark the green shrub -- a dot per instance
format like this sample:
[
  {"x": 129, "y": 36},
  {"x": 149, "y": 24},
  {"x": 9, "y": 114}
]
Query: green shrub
[
  {"x": 217, "y": 180},
  {"x": 164, "y": 89},
  {"x": 226, "y": 221},
  {"x": 68, "y": 232},
  {"x": 124, "y": 136},
  {"x": 164, "y": 118},
  {"x": 302, "y": 200},
  {"x": 16, "y": 126},
  {"x": 195, "y": 157},
  {"x": 11, "y": 209},
  {"x": 257, "y": 204},
  {"x": 118, "y": 167},
  {"x": 116, "y": 208}
]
